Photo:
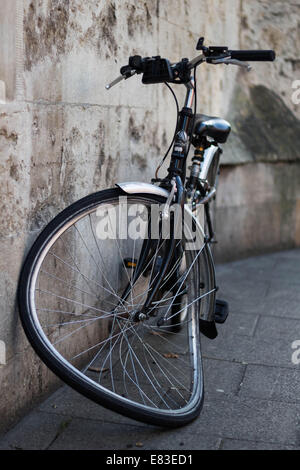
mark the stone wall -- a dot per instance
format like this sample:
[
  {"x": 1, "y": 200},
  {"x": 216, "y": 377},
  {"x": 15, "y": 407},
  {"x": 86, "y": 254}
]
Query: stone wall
[
  {"x": 257, "y": 207},
  {"x": 63, "y": 136}
]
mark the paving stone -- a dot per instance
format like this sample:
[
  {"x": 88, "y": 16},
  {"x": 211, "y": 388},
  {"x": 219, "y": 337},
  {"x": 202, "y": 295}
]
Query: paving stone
[
  {"x": 265, "y": 285},
  {"x": 279, "y": 298},
  {"x": 236, "y": 444},
  {"x": 282, "y": 299},
  {"x": 109, "y": 436},
  {"x": 68, "y": 402},
  {"x": 270, "y": 307},
  {"x": 250, "y": 419},
  {"x": 272, "y": 383},
  {"x": 293, "y": 255},
  {"x": 222, "y": 377},
  {"x": 36, "y": 431},
  {"x": 243, "y": 295},
  {"x": 270, "y": 345}
]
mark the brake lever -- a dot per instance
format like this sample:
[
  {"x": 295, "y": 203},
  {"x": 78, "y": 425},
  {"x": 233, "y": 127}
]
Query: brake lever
[
  {"x": 119, "y": 79},
  {"x": 227, "y": 61},
  {"x": 114, "y": 82}
]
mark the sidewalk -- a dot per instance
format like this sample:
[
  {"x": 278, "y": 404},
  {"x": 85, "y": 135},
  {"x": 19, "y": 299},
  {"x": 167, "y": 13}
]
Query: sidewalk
[{"x": 252, "y": 386}]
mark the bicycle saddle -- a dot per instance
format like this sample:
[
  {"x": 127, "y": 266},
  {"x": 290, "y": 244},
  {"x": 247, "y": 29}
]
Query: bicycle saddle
[{"x": 212, "y": 126}]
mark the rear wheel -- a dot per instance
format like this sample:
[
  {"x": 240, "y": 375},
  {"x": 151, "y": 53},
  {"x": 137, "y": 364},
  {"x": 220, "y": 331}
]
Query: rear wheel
[{"x": 79, "y": 302}]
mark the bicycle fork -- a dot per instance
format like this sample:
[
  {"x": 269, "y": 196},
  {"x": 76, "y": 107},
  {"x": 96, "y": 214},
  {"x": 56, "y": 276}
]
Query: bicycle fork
[{"x": 167, "y": 263}]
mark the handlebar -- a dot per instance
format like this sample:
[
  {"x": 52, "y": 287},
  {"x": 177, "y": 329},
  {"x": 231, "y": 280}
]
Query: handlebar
[
  {"x": 159, "y": 70},
  {"x": 255, "y": 56}
]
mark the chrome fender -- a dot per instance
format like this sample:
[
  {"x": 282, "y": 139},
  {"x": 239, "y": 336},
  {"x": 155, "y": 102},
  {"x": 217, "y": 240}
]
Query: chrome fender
[
  {"x": 209, "y": 155},
  {"x": 135, "y": 187}
]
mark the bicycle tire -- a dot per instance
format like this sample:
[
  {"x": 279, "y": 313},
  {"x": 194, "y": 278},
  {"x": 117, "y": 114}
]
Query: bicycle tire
[{"x": 64, "y": 369}]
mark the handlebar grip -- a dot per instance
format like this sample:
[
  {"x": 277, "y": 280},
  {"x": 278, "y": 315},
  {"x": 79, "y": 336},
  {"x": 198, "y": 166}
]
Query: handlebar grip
[{"x": 254, "y": 56}]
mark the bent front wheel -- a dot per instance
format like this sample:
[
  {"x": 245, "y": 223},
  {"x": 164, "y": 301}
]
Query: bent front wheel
[{"x": 79, "y": 296}]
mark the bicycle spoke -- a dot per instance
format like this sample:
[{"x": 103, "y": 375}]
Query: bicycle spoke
[
  {"x": 84, "y": 276},
  {"x": 148, "y": 347},
  {"x": 74, "y": 301},
  {"x": 87, "y": 301},
  {"x": 146, "y": 375}
]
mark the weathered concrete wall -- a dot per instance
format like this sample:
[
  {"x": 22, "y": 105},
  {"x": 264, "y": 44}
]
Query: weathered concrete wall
[
  {"x": 257, "y": 207},
  {"x": 62, "y": 135}
]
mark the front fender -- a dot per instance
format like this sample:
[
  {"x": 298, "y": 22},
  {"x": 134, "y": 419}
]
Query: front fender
[{"x": 134, "y": 187}]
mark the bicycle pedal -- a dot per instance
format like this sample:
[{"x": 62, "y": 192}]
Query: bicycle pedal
[
  {"x": 130, "y": 263},
  {"x": 221, "y": 311}
]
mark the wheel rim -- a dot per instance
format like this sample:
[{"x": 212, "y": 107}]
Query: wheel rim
[{"x": 137, "y": 363}]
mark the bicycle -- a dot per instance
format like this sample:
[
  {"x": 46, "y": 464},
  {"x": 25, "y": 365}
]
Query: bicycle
[{"x": 111, "y": 300}]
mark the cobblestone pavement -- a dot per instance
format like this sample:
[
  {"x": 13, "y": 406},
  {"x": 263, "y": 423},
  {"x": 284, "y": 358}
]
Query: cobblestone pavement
[{"x": 252, "y": 385}]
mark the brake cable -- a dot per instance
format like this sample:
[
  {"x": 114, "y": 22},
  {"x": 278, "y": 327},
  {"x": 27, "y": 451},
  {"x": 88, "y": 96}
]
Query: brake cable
[{"x": 167, "y": 152}]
